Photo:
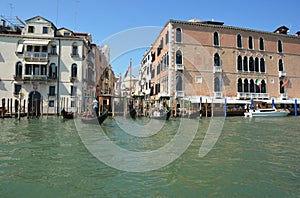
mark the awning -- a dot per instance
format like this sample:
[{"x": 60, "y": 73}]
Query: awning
[
  {"x": 36, "y": 42},
  {"x": 20, "y": 48}
]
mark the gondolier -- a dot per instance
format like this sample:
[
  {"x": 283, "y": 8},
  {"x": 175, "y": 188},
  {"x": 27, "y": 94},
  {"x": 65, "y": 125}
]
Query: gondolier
[{"x": 96, "y": 106}]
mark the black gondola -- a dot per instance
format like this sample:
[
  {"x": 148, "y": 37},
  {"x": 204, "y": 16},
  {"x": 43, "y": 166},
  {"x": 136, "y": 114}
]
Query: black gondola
[
  {"x": 95, "y": 120},
  {"x": 66, "y": 114}
]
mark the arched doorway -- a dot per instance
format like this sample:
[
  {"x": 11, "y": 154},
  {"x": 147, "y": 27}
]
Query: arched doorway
[{"x": 34, "y": 101}]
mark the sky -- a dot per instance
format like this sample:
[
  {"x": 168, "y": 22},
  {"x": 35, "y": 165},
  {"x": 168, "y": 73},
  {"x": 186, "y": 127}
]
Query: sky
[{"x": 130, "y": 27}]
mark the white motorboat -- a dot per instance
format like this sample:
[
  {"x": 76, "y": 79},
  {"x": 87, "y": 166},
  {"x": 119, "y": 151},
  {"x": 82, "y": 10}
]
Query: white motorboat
[{"x": 268, "y": 112}]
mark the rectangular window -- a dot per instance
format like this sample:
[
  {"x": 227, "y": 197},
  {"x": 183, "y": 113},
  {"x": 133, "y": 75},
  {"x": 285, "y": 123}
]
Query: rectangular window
[
  {"x": 73, "y": 90},
  {"x": 17, "y": 89},
  {"x": 51, "y": 90},
  {"x": 36, "y": 70},
  {"x": 27, "y": 69},
  {"x": 74, "y": 50},
  {"x": 72, "y": 103},
  {"x": 30, "y": 29},
  {"x": 53, "y": 49},
  {"x": 198, "y": 79},
  {"x": 44, "y": 49},
  {"x": 29, "y": 48},
  {"x": 45, "y": 30},
  {"x": 43, "y": 70}
]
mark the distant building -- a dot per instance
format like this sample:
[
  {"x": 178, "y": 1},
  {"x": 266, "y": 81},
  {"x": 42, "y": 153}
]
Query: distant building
[
  {"x": 49, "y": 68},
  {"x": 193, "y": 60}
]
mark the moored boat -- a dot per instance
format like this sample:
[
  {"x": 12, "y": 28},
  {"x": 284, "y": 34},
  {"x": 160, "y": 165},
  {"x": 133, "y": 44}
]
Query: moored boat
[
  {"x": 95, "y": 120},
  {"x": 67, "y": 115},
  {"x": 161, "y": 115},
  {"x": 268, "y": 112}
]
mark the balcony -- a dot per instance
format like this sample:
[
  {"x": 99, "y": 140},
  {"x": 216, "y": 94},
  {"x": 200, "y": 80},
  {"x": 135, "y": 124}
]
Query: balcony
[
  {"x": 179, "y": 67},
  {"x": 283, "y": 96},
  {"x": 18, "y": 77},
  {"x": 36, "y": 56},
  {"x": 217, "y": 69},
  {"x": 179, "y": 94},
  {"x": 247, "y": 95},
  {"x": 35, "y": 78},
  {"x": 281, "y": 74},
  {"x": 218, "y": 95},
  {"x": 73, "y": 79}
]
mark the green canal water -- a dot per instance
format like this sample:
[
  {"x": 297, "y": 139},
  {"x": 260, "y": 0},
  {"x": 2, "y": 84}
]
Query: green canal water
[{"x": 252, "y": 157}]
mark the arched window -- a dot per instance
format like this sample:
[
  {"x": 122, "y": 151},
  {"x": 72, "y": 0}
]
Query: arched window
[
  {"x": 245, "y": 63},
  {"x": 74, "y": 49},
  {"x": 281, "y": 88},
  {"x": 246, "y": 86},
  {"x": 252, "y": 86},
  {"x": 178, "y": 35},
  {"x": 52, "y": 71},
  {"x": 53, "y": 48},
  {"x": 240, "y": 85},
  {"x": 217, "y": 59},
  {"x": 179, "y": 83},
  {"x": 239, "y": 63},
  {"x": 279, "y": 46},
  {"x": 250, "y": 42},
  {"x": 18, "y": 70},
  {"x": 280, "y": 65},
  {"x": 256, "y": 64},
  {"x": 263, "y": 87},
  {"x": 251, "y": 64},
  {"x": 262, "y": 65},
  {"x": 217, "y": 85},
  {"x": 257, "y": 85},
  {"x": 178, "y": 57},
  {"x": 216, "y": 39},
  {"x": 261, "y": 44},
  {"x": 74, "y": 70},
  {"x": 239, "y": 41}
]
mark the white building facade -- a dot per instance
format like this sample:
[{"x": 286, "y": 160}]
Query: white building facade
[{"x": 46, "y": 69}]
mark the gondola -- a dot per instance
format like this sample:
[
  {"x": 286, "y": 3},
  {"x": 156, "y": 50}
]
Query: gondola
[
  {"x": 66, "y": 114},
  {"x": 95, "y": 120}
]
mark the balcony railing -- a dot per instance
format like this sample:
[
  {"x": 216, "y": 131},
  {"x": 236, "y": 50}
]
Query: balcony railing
[
  {"x": 18, "y": 77},
  {"x": 281, "y": 73},
  {"x": 217, "y": 69},
  {"x": 35, "y": 78},
  {"x": 246, "y": 95},
  {"x": 283, "y": 96},
  {"x": 179, "y": 94},
  {"x": 179, "y": 67},
  {"x": 218, "y": 95},
  {"x": 36, "y": 56},
  {"x": 73, "y": 79}
]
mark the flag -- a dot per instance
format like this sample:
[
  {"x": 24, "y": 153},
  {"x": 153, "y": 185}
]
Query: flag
[
  {"x": 257, "y": 82},
  {"x": 285, "y": 83}
]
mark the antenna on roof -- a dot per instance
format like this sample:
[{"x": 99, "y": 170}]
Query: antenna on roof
[{"x": 11, "y": 8}]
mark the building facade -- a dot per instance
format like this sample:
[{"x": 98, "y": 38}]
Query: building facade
[
  {"x": 47, "y": 69},
  {"x": 206, "y": 60}
]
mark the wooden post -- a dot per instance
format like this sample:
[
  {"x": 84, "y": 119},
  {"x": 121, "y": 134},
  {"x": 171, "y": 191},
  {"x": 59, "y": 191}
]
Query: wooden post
[
  {"x": 206, "y": 107},
  {"x": 24, "y": 105},
  {"x": 200, "y": 107},
  {"x": 11, "y": 107},
  {"x": 41, "y": 106}
]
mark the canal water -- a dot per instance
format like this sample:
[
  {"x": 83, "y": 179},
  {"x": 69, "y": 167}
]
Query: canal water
[{"x": 251, "y": 157}]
